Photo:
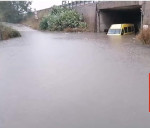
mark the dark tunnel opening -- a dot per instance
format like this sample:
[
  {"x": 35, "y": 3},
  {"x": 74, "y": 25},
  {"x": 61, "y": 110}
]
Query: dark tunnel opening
[{"x": 122, "y": 15}]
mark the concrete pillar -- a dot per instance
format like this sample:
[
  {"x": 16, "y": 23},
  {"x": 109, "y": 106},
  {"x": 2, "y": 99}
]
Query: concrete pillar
[
  {"x": 98, "y": 21},
  {"x": 146, "y": 17},
  {"x": 102, "y": 24}
]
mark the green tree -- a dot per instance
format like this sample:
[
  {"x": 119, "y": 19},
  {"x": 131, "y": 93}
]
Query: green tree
[{"x": 14, "y": 11}]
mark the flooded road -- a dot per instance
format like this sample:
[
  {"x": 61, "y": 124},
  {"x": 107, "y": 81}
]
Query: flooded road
[{"x": 73, "y": 80}]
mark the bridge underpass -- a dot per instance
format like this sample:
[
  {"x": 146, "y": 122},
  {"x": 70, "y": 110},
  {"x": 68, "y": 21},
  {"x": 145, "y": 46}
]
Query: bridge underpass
[{"x": 118, "y": 15}]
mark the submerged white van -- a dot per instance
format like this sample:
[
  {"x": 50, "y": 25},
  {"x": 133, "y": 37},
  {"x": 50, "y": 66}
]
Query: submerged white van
[{"x": 121, "y": 29}]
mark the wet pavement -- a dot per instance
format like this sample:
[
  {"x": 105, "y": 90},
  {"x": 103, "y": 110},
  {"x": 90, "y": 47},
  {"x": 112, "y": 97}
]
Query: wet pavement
[{"x": 73, "y": 80}]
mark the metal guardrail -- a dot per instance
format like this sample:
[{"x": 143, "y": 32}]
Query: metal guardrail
[{"x": 77, "y": 3}]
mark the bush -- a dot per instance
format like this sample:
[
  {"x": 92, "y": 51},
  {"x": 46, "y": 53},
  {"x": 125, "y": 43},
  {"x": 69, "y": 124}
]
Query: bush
[
  {"x": 62, "y": 18},
  {"x": 57, "y": 10},
  {"x": 144, "y": 36},
  {"x": 8, "y": 32},
  {"x": 54, "y": 23},
  {"x": 82, "y": 25},
  {"x": 44, "y": 23},
  {"x": 13, "y": 33}
]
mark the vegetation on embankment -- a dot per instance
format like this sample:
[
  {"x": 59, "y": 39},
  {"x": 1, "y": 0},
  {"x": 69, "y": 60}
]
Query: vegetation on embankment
[
  {"x": 34, "y": 23},
  {"x": 8, "y": 32},
  {"x": 57, "y": 19},
  {"x": 63, "y": 19},
  {"x": 144, "y": 36}
]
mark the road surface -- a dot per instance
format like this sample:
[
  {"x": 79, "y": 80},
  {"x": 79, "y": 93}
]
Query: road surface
[{"x": 73, "y": 80}]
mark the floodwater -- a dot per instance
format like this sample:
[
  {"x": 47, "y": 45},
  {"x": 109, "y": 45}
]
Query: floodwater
[{"x": 73, "y": 80}]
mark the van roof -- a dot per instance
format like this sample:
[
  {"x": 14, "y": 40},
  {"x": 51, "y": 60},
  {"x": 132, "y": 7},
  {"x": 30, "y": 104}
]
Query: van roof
[
  {"x": 115, "y": 26},
  {"x": 118, "y": 26}
]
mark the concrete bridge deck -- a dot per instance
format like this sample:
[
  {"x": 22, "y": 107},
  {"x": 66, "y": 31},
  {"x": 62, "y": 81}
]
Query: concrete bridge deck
[{"x": 116, "y": 4}]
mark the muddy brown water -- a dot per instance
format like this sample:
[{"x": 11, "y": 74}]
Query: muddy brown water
[{"x": 73, "y": 80}]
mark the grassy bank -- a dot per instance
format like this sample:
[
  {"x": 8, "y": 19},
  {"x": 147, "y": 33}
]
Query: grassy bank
[
  {"x": 31, "y": 22},
  {"x": 144, "y": 36},
  {"x": 8, "y": 32},
  {"x": 35, "y": 23}
]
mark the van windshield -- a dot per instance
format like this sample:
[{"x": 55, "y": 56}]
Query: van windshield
[{"x": 114, "y": 31}]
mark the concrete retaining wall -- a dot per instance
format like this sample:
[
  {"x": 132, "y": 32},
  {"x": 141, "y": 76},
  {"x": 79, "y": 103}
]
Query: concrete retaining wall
[
  {"x": 146, "y": 9},
  {"x": 89, "y": 13}
]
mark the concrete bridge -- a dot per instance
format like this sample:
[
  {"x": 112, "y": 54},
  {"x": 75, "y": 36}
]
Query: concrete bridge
[{"x": 100, "y": 16}]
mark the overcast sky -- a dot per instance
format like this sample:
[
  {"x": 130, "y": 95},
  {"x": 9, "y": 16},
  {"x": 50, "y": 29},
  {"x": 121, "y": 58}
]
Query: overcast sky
[{"x": 41, "y": 4}]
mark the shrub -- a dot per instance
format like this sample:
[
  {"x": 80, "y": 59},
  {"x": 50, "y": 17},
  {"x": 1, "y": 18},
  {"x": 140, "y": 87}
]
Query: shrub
[
  {"x": 57, "y": 10},
  {"x": 144, "y": 36},
  {"x": 54, "y": 23},
  {"x": 44, "y": 23},
  {"x": 13, "y": 33},
  {"x": 82, "y": 25},
  {"x": 8, "y": 32},
  {"x": 61, "y": 18}
]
